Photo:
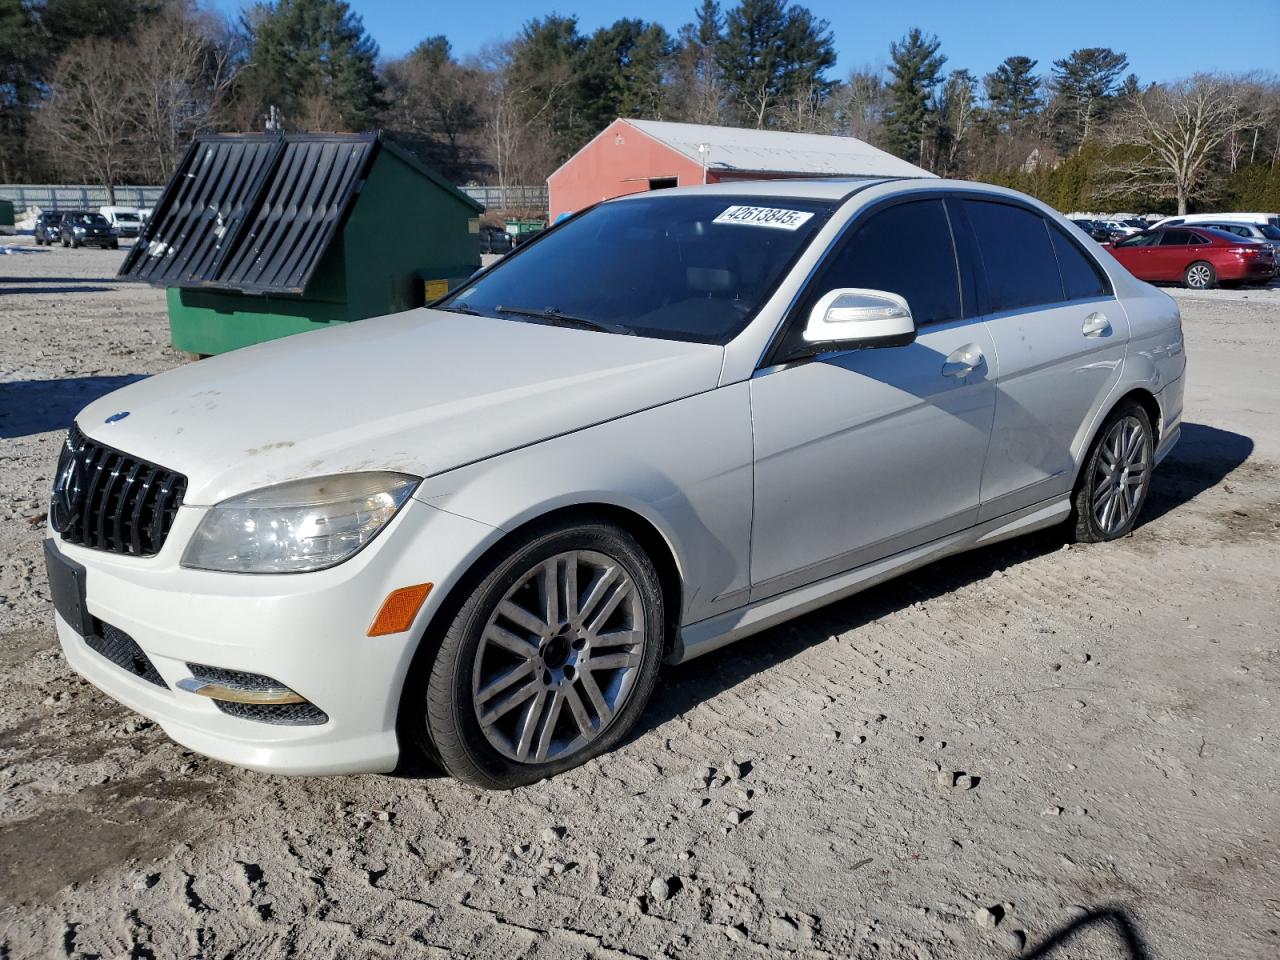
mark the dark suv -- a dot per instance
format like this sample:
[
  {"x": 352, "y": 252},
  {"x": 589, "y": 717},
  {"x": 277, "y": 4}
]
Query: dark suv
[
  {"x": 48, "y": 229},
  {"x": 84, "y": 228}
]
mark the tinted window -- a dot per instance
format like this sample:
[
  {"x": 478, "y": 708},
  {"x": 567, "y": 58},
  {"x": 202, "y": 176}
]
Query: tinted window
[
  {"x": 1198, "y": 238},
  {"x": 677, "y": 267},
  {"x": 905, "y": 249},
  {"x": 1081, "y": 277},
  {"x": 1021, "y": 268},
  {"x": 1140, "y": 240},
  {"x": 1270, "y": 232},
  {"x": 1175, "y": 238}
]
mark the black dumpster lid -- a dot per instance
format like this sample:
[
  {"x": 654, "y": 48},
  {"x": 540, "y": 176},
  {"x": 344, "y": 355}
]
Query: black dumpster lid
[{"x": 251, "y": 212}]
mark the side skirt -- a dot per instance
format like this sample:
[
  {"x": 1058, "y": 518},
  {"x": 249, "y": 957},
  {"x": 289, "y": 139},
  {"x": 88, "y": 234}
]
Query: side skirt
[{"x": 695, "y": 639}]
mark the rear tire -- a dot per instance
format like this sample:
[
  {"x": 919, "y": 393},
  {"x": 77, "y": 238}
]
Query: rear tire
[
  {"x": 1116, "y": 476},
  {"x": 529, "y": 680},
  {"x": 1199, "y": 276}
]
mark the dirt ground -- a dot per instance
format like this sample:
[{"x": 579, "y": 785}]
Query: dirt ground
[{"x": 1115, "y": 708}]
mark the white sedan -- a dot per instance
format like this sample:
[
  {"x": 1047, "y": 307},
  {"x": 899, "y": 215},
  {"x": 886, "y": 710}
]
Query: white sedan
[{"x": 668, "y": 423}]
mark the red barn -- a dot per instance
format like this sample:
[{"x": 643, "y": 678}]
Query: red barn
[{"x": 630, "y": 156}]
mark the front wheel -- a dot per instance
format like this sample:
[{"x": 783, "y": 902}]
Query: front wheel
[
  {"x": 1199, "y": 276},
  {"x": 1115, "y": 478},
  {"x": 549, "y": 661}
]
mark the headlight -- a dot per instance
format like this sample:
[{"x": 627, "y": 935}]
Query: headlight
[{"x": 297, "y": 526}]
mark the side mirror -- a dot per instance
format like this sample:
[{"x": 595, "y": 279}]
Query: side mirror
[{"x": 851, "y": 318}]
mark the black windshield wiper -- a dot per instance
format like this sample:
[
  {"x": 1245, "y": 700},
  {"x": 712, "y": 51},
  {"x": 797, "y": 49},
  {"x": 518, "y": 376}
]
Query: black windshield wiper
[
  {"x": 461, "y": 308},
  {"x": 553, "y": 316}
]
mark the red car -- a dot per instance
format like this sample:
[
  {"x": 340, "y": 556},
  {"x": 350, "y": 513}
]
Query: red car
[{"x": 1198, "y": 257}]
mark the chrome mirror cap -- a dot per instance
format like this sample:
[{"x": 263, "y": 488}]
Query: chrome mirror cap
[{"x": 860, "y": 318}]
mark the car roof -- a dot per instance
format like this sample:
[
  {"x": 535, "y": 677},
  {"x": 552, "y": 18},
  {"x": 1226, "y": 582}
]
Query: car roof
[{"x": 825, "y": 188}]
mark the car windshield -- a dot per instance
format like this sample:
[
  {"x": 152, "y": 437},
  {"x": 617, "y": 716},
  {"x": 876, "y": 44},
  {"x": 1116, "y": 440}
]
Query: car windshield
[
  {"x": 126, "y": 216},
  {"x": 1270, "y": 232},
  {"x": 96, "y": 219},
  {"x": 681, "y": 268}
]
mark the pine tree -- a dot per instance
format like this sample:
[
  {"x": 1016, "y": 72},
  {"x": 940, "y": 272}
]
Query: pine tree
[
  {"x": 1013, "y": 91},
  {"x": 313, "y": 60},
  {"x": 914, "y": 72},
  {"x": 1086, "y": 83},
  {"x": 773, "y": 52}
]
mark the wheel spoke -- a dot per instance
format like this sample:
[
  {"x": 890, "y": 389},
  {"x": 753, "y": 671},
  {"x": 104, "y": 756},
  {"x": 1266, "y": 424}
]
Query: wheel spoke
[
  {"x": 510, "y": 642},
  {"x": 549, "y": 725},
  {"x": 518, "y": 614},
  {"x": 571, "y": 595},
  {"x": 596, "y": 697},
  {"x": 494, "y": 687},
  {"x": 551, "y": 592},
  {"x": 598, "y": 590},
  {"x": 607, "y": 608},
  {"x": 612, "y": 661},
  {"x": 579, "y": 711},
  {"x": 529, "y": 724},
  {"x": 510, "y": 703},
  {"x": 615, "y": 638}
]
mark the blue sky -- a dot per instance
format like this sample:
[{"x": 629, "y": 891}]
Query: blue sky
[{"x": 1164, "y": 39}]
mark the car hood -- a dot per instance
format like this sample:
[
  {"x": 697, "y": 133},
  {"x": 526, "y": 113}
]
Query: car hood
[{"x": 419, "y": 392}]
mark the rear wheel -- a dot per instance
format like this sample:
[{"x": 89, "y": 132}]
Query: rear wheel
[
  {"x": 550, "y": 660},
  {"x": 1199, "y": 276},
  {"x": 1116, "y": 475}
]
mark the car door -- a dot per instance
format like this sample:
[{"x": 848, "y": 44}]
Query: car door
[
  {"x": 1173, "y": 255},
  {"x": 1138, "y": 254},
  {"x": 862, "y": 453},
  {"x": 1060, "y": 338}
]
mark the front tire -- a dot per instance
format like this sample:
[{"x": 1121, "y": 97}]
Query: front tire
[
  {"x": 1116, "y": 476},
  {"x": 549, "y": 661},
  {"x": 1199, "y": 276}
]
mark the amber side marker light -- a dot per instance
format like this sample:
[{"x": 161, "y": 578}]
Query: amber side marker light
[{"x": 399, "y": 609}]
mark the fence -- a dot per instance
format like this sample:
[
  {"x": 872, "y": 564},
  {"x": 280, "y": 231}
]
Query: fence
[
  {"x": 509, "y": 198},
  {"x": 74, "y": 196},
  {"x": 64, "y": 196}
]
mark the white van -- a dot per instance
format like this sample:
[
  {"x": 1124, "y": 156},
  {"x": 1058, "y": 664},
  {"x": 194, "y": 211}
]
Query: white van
[
  {"x": 126, "y": 220},
  {"x": 1271, "y": 218}
]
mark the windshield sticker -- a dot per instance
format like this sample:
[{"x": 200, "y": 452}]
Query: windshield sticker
[{"x": 765, "y": 217}]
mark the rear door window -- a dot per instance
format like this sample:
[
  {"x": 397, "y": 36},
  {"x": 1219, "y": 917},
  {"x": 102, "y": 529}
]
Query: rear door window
[
  {"x": 1082, "y": 278},
  {"x": 1017, "y": 254},
  {"x": 1175, "y": 238}
]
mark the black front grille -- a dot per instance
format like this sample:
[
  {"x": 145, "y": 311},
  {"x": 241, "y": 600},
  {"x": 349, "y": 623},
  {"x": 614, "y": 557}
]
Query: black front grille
[
  {"x": 122, "y": 650},
  {"x": 108, "y": 500}
]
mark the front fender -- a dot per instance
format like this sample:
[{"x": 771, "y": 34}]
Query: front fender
[{"x": 685, "y": 468}]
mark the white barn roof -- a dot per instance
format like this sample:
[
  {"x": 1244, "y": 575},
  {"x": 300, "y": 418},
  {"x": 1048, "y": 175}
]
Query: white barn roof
[{"x": 773, "y": 151}]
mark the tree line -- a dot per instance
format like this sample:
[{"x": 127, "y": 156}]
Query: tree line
[{"x": 112, "y": 91}]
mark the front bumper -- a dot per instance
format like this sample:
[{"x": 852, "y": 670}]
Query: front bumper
[{"x": 306, "y": 630}]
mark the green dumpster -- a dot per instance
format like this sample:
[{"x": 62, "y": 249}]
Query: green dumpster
[{"x": 261, "y": 236}]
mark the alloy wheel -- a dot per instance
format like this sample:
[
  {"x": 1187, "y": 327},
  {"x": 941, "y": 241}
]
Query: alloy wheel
[
  {"x": 1199, "y": 276},
  {"x": 1120, "y": 475},
  {"x": 559, "y": 657}
]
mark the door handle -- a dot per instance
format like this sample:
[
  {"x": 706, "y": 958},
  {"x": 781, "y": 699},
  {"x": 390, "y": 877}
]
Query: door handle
[
  {"x": 1096, "y": 325},
  {"x": 963, "y": 361}
]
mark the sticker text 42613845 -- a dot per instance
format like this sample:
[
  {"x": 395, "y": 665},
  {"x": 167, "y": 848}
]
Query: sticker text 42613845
[{"x": 775, "y": 217}]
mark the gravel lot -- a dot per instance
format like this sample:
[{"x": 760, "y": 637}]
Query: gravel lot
[{"x": 1115, "y": 709}]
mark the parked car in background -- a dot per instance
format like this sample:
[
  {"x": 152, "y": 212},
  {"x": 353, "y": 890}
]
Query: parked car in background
[
  {"x": 1094, "y": 229},
  {"x": 1198, "y": 218},
  {"x": 48, "y": 228},
  {"x": 495, "y": 240},
  {"x": 1121, "y": 228},
  {"x": 84, "y": 228},
  {"x": 1198, "y": 258},
  {"x": 679, "y": 418},
  {"x": 126, "y": 220},
  {"x": 1260, "y": 232}
]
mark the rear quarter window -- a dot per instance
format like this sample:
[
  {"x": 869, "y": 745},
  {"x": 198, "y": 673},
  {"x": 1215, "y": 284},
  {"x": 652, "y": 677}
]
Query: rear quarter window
[{"x": 1082, "y": 278}]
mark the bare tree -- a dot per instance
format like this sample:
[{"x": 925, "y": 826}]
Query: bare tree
[
  {"x": 179, "y": 78},
  {"x": 88, "y": 125},
  {"x": 1178, "y": 129}
]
